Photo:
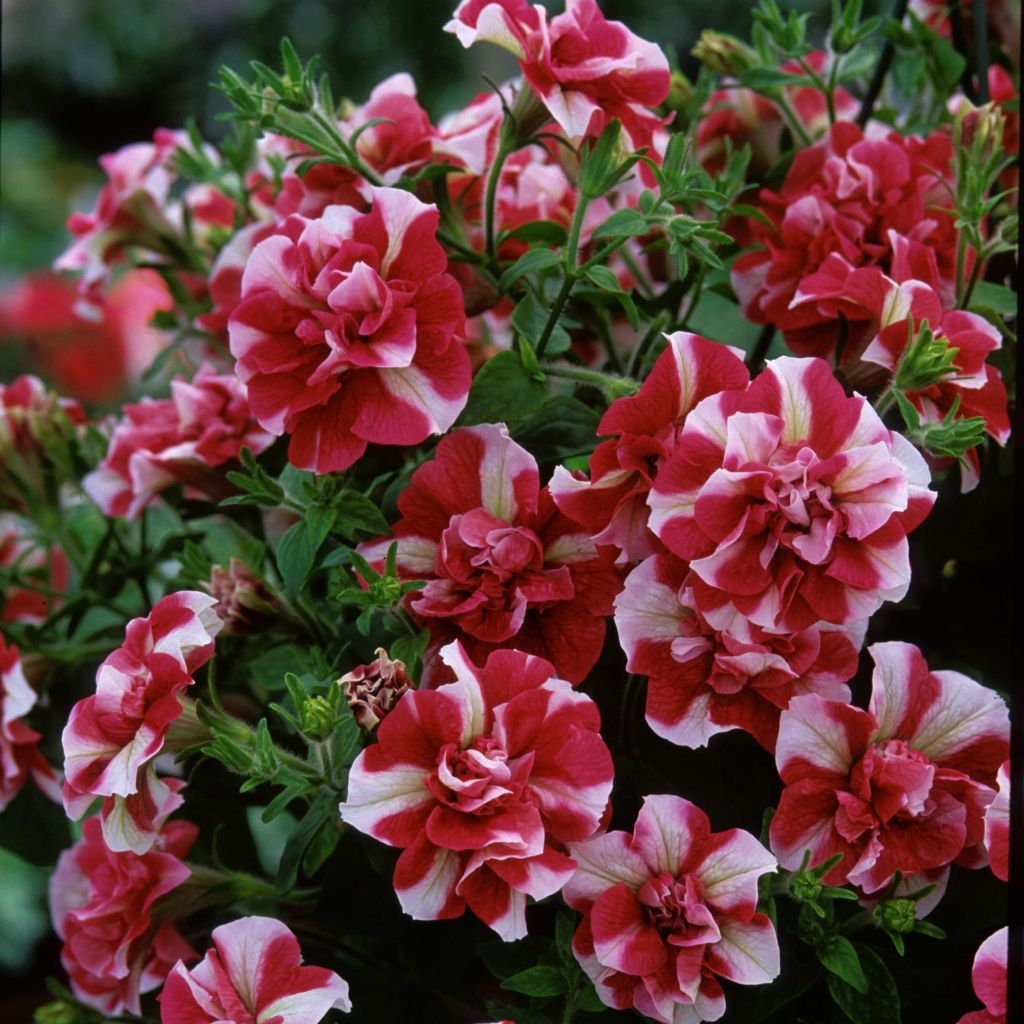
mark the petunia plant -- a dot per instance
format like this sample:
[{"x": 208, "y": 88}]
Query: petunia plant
[{"x": 533, "y": 582}]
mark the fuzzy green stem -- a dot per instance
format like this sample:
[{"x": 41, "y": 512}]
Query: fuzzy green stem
[
  {"x": 593, "y": 378},
  {"x": 491, "y": 198}
]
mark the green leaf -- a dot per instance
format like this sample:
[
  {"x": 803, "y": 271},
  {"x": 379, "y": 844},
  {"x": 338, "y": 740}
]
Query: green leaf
[
  {"x": 269, "y": 835},
  {"x": 530, "y": 262},
  {"x": 562, "y": 426},
  {"x": 23, "y": 918},
  {"x": 537, "y": 981},
  {"x": 588, "y": 1001},
  {"x": 879, "y": 1004},
  {"x": 624, "y": 223},
  {"x": 529, "y": 319},
  {"x": 355, "y": 511},
  {"x": 762, "y": 79},
  {"x": 606, "y": 280},
  {"x": 323, "y": 809},
  {"x": 502, "y": 391},
  {"x": 345, "y": 739},
  {"x": 837, "y": 955},
  {"x": 297, "y": 549},
  {"x": 546, "y": 231},
  {"x": 996, "y": 297},
  {"x": 565, "y": 928},
  {"x": 320, "y": 847}
]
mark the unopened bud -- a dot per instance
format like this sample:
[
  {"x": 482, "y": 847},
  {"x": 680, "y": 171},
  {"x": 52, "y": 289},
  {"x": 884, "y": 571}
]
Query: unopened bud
[
  {"x": 386, "y": 591},
  {"x": 805, "y": 887},
  {"x": 373, "y": 690},
  {"x": 680, "y": 92},
  {"x": 244, "y": 603},
  {"x": 57, "y": 1012},
  {"x": 979, "y": 130},
  {"x": 926, "y": 360},
  {"x": 723, "y": 53},
  {"x": 317, "y": 717},
  {"x": 896, "y": 915}
]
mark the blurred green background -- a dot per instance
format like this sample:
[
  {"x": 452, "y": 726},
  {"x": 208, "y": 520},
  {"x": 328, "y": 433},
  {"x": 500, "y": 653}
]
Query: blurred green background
[{"x": 83, "y": 77}]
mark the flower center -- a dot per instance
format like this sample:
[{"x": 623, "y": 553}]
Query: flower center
[
  {"x": 489, "y": 573},
  {"x": 891, "y": 784},
  {"x": 476, "y": 780},
  {"x": 675, "y": 906}
]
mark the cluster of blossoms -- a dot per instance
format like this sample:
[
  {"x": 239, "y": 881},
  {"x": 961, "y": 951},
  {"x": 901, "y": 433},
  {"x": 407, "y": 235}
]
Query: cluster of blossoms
[{"x": 439, "y": 393}]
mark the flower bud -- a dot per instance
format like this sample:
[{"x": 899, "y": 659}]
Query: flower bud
[
  {"x": 680, "y": 92},
  {"x": 723, "y": 53},
  {"x": 805, "y": 887},
  {"x": 373, "y": 690},
  {"x": 244, "y": 603},
  {"x": 317, "y": 717},
  {"x": 896, "y": 915},
  {"x": 978, "y": 130},
  {"x": 60, "y": 1011}
]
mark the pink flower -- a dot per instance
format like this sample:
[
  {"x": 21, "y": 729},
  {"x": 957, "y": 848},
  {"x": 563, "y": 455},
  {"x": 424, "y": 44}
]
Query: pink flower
[
  {"x": 19, "y": 751},
  {"x": 902, "y": 786},
  {"x": 403, "y": 142},
  {"x": 502, "y": 566},
  {"x": 848, "y": 195},
  {"x": 92, "y": 358},
  {"x": 102, "y": 905},
  {"x": 988, "y": 977},
  {"x": 225, "y": 281},
  {"x": 670, "y": 909},
  {"x": 184, "y": 439},
  {"x": 470, "y": 136},
  {"x": 880, "y": 312},
  {"x": 741, "y": 117},
  {"x": 612, "y": 504},
  {"x": 791, "y": 501},
  {"x": 252, "y": 975},
  {"x": 18, "y": 547},
  {"x": 997, "y": 826},
  {"x": 132, "y": 209},
  {"x": 705, "y": 680},
  {"x": 113, "y": 736},
  {"x": 586, "y": 70},
  {"x": 28, "y": 411},
  {"x": 349, "y": 331},
  {"x": 481, "y": 782}
]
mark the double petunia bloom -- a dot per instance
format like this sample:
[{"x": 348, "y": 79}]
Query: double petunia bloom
[
  {"x": 902, "y": 786},
  {"x": 503, "y": 567},
  {"x": 113, "y": 736},
  {"x": 349, "y": 331},
  {"x": 669, "y": 910},
  {"x": 482, "y": 783}
]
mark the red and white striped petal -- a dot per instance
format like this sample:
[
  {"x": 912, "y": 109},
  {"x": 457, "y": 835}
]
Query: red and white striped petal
[
  {"x": 733, "y": 862},
  {"x": 601, "y": 862},
  {"x": 425, "y": 881},
  {"x": 748, "y": 951},
  {"x": 495, "y": 902},
  {"x": 820, "y": 736},
  {"x": 950, "y": 718},
  {"x": 624, "y": 938},
  {"x": 668, "y": 831},
  {"x": 997, "y": 826}
]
